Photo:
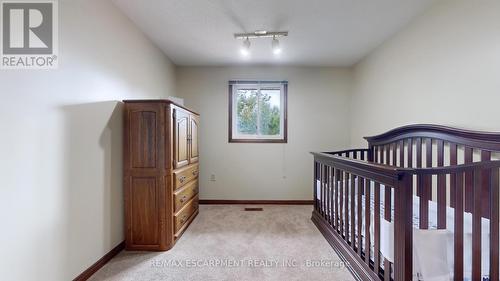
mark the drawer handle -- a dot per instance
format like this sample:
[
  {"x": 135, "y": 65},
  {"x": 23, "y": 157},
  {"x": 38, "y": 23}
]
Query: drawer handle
[
  {"x": 195, "y": 173},
  {"x": 182, "y": 179},
  {"x": 183, "y": 219},
  {"x": 183, "y": 199}
]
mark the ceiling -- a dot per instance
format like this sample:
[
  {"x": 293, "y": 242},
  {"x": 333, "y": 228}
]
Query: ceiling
[{"x": 321, "y": 32}]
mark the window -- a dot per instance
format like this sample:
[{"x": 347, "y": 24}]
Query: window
[{"x": 258, "y": 111}]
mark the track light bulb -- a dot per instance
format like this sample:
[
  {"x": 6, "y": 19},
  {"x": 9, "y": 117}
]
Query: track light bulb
[
  {"x": 276, "y": 46},
  {"x": 245, "y": 49}
]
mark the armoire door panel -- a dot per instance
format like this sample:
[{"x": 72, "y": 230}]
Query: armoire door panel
[
  {"x": 181, "y": 138},
  {"x": 194, "y": 125},
  {"x": 143, "y": 133},
  {"x": 144, "y": 204}
]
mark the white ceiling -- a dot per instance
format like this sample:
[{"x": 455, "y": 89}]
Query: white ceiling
[{"x": 322, "y": 32}]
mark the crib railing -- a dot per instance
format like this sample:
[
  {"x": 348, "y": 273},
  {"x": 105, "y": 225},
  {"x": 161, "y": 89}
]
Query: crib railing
[{"x": 342, "y": 186}]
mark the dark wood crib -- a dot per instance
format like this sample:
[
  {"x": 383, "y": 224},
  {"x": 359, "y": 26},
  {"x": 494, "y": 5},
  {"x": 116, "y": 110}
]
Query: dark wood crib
[{"x": 455, "y": 170}]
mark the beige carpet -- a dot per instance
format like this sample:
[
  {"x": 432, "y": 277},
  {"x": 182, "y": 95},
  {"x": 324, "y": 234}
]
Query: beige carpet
[{"x": 226, "y": 243}]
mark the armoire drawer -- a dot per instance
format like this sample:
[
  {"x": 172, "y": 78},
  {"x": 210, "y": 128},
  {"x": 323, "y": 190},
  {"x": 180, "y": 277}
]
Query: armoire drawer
[
  {"x": 185, "y": 175},
  {"x": 184, "y": 194},
  {"x": 185, "y": 213}
]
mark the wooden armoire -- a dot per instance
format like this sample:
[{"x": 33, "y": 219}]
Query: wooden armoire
[{"x": 160, "y": 173}]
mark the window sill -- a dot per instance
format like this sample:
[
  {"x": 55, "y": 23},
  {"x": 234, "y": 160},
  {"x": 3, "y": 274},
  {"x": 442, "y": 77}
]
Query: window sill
[{"x": 257, "y": 140}]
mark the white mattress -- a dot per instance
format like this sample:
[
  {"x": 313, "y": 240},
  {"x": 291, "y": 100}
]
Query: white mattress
[{"x": 432, "y": 248}]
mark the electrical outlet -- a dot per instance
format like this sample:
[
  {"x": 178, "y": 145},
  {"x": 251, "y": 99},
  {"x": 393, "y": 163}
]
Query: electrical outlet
[{"x": 212, "y": 177}]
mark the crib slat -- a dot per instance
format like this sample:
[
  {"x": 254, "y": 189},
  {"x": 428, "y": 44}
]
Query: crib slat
[
  {"x": 494, "y": 224},
  {"x": 380, "y": 156},
  {"x": 353, "y": 211},
  {"x": 329, "y": 194},
  {"x": 394, "y": 154},
  {"x": 387, "y": 155},
  {"x": 423, "y": 204},
  {"x": 327, "y": 182},
  {"x": 387, "y": 203},
  {"x": 361, "y": 182},
  {"x": 459, "y": 228},
  {"x": 440, "y": 153},
  {"x": 410, "y": 154},
  {"x": 453, "y": 162},
  {"x": 341, "y": 202},
  {"x": 376, "y": 252},
  {"x": 320, "y": 200},
  {"x": 476, "y": 227},
  {"x": 322, "y": 182},
  {"x": 323, "y": 190},
  {"x": 346, "y": 207},
  {"x": 469, "y": 193},
  {"x": 428, "y": 179},
  {"x": 486, "y": 156},
  {"x": 315, "y": 184},
  {"x": 332, "y": 196},
  {"x": 367, "y": 221},
  {"x": 387, "y": 269},
  {"x": 428, "y": 152},
  {"x": 326, "y": 194},
  {"x": 401, "y": 153},
  {"x": 387, "y": 217},
  {"x": 420, "y": 185},
  {"x": 387, "y": 152},
  {"x": 441, "y": 188},
  {"x": 427, "y": 187},
  {"x": 336, "y": 201},
  {"x": 322, "y": 187},
  {"x": 418, "y": 142}
]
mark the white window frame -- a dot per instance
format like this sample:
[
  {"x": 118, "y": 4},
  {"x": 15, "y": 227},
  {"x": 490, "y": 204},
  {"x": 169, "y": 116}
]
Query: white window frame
[{"x": 237, "y": 137}]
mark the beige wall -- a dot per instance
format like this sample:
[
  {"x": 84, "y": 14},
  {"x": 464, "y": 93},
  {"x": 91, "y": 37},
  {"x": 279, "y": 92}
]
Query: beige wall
[
  {"x": 61, "y": 194},
  {"x": 444, "y": 69},
  {"x": 318, "y": 101}
]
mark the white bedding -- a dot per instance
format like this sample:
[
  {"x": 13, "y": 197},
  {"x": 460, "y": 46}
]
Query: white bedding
[{"x": 432, "y": 248}]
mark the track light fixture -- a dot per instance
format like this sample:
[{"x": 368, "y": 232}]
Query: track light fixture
[{"x": 275, "y": 43}]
